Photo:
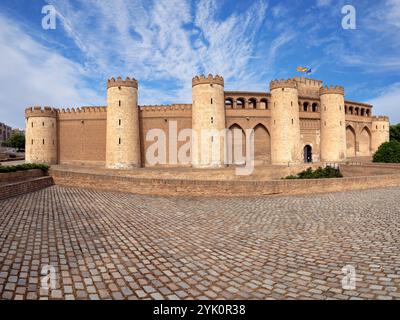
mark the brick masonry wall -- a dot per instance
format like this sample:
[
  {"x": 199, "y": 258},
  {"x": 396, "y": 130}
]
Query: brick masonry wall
[
  {"x": 180, "y": 187},
  {"x": 369, "y": 169},
  {"x": 20, "y": 175},
  {"x": 18, "y": 188}
]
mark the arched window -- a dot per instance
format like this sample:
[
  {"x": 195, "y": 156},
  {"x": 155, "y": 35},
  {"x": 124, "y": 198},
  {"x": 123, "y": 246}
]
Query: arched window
[
  {"x": 314, "y": 107},
  {"x": 351, "y": 110},
  {"x": 252, "y": 103},
  {"x": 240, "y": 103},
  {"x": 263, "y": 103},
  {"x": 357, "y": 111},
  {"x": 305, "y": 106},
  {"x": 363, "y": 112},
  {"x": 367, "y": 112},
  {"x": 229, "y": 103}
]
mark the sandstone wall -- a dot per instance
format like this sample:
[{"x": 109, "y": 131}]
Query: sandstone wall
[
  {"x": 208, "y": 114},
  {"x": 123, "y": 139},
  {"x": 41, "y": 135},
  {"x": 285, "y": 123},
  {"x": 333, "y": 126}
]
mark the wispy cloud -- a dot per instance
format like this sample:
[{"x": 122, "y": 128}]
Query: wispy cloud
[
  {"x": 169, "y": 40},
  {"x": 34, "y": 75},
  {"x": 388, "y": 102}
]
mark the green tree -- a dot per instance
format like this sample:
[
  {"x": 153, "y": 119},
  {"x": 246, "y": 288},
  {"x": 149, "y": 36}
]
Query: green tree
[
  {"x": 395, "y": 132},
  {"x": 388, "y": 152},
  {"x": 17, "y": 141}
]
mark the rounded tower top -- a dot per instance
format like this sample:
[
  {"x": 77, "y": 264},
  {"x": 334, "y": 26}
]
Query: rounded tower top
[
  {"x": 278, "y": 84},
  {"x": 128, "y": 82},
  {"x": 208, "y": 80},
  {"x": 331, "y": 90},
  {"x": 41, "y": 112}
]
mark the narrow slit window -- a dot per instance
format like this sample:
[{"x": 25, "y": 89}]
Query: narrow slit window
[
  {"x": 211, "y": 101},
  {"x": 119, "y": 141},
  {"x": 119, "y": 121},
  {"x": 119, "y": 103},
  {"x": 43, "y": 141}
]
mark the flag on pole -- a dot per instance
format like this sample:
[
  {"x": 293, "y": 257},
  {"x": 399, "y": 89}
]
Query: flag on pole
[{"x": 304, "y": 70}]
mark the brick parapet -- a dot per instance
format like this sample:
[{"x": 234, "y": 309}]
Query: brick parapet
[
  {"x": 331, "y": 90},
  {"x": 208, "y": 80},
  {"x": 279, "y": 84},
  {"x": 41, "y": 112},
  {"x": 119, "y": 82}
]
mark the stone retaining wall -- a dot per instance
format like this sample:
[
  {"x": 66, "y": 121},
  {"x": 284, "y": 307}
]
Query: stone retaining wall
[
  {"x": 180, "y": 187},
  {"x": 22, "y": 187},
  {"x": 20, "y": 175}
]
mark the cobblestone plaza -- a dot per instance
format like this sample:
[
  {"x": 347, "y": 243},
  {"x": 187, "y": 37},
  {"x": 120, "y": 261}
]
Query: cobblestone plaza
[{"x": 106, "y": 245}]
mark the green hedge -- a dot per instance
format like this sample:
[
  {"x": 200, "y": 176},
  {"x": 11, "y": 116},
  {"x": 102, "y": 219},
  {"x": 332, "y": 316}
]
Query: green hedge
[
  {"x": 388, "y": 152},
  {"x": 24, "y": 167},
  {"x": 320, "y": 173}
]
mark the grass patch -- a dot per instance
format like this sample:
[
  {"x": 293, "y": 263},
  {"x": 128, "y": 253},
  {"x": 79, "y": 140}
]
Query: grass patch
[
  {"x": 320, "y": 173},
  {"x": 24, "y": 167}
]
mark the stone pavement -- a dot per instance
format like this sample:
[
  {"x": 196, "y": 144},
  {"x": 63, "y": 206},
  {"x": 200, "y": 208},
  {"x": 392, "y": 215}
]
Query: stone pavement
[{"x": 105, "y": 245}]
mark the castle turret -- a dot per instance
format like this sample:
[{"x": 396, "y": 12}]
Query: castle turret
[
  {"x": 208, "y": 121},
  {"x": 333, "y": 124},
  {"x": 285, "y": 122},
  {"x": 123, "y": 142},
  {"x": 41, "y": 135},
  {"x": 380, "y": 132}
]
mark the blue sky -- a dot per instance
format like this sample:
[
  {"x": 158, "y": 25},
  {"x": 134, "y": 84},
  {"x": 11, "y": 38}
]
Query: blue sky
[{"x": 164, "y": 43}]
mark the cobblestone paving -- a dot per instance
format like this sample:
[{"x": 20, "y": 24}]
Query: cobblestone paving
[{"x": 107, "y": 245}]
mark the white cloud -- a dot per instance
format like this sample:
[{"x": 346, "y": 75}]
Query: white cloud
[
  {"x": 168, "y": 40},
  {"x": 388, "y": 103},
  {"x": 34, "y": 75},
  {"x": 323, "y": 3},
  {"x": 162, "y": 43}
]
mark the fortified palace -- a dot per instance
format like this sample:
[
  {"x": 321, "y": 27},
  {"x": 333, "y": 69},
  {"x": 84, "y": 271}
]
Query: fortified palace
[{"x": 299, "y": 120}]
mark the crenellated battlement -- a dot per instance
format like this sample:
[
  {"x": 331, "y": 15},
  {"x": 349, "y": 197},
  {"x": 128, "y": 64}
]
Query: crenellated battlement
[
  {"x": 380, "y": 118},
  {"x": 165, "y": 108},
  {"x": 308, "y": 81},
  {"x": 41, "y": 112},
  {"x": 331, "y": 90},
  {"x": 83, "y": 110},
  {"x": 128, "y": 82},
  {"x": 278, "y": 84},
  {"x": 208, "y": 80}
]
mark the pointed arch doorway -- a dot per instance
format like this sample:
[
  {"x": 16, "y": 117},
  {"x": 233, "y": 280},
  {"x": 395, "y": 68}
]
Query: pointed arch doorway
[{"x": 307, "y": 154}]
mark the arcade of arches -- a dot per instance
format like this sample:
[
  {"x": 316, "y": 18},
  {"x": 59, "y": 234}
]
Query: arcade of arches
[{"x": 358, "y": 144}]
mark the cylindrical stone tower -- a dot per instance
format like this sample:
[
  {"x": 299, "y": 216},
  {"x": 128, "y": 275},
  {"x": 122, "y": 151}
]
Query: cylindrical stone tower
[
  {"x": 285, "y": 122},
  {"x": 333, "y": 124},
  {"x": 379, "y": 132},
  {"x": 123, "y": 140},
  {"x": 208, "y": 121},
  {"x": 41, "y": 135}
]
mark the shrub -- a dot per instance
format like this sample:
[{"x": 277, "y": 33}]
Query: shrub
[
  {"x": 24, "y": 167},
  {"x": 320, "y": 173},
  {"x": 388, "y": 152}
]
